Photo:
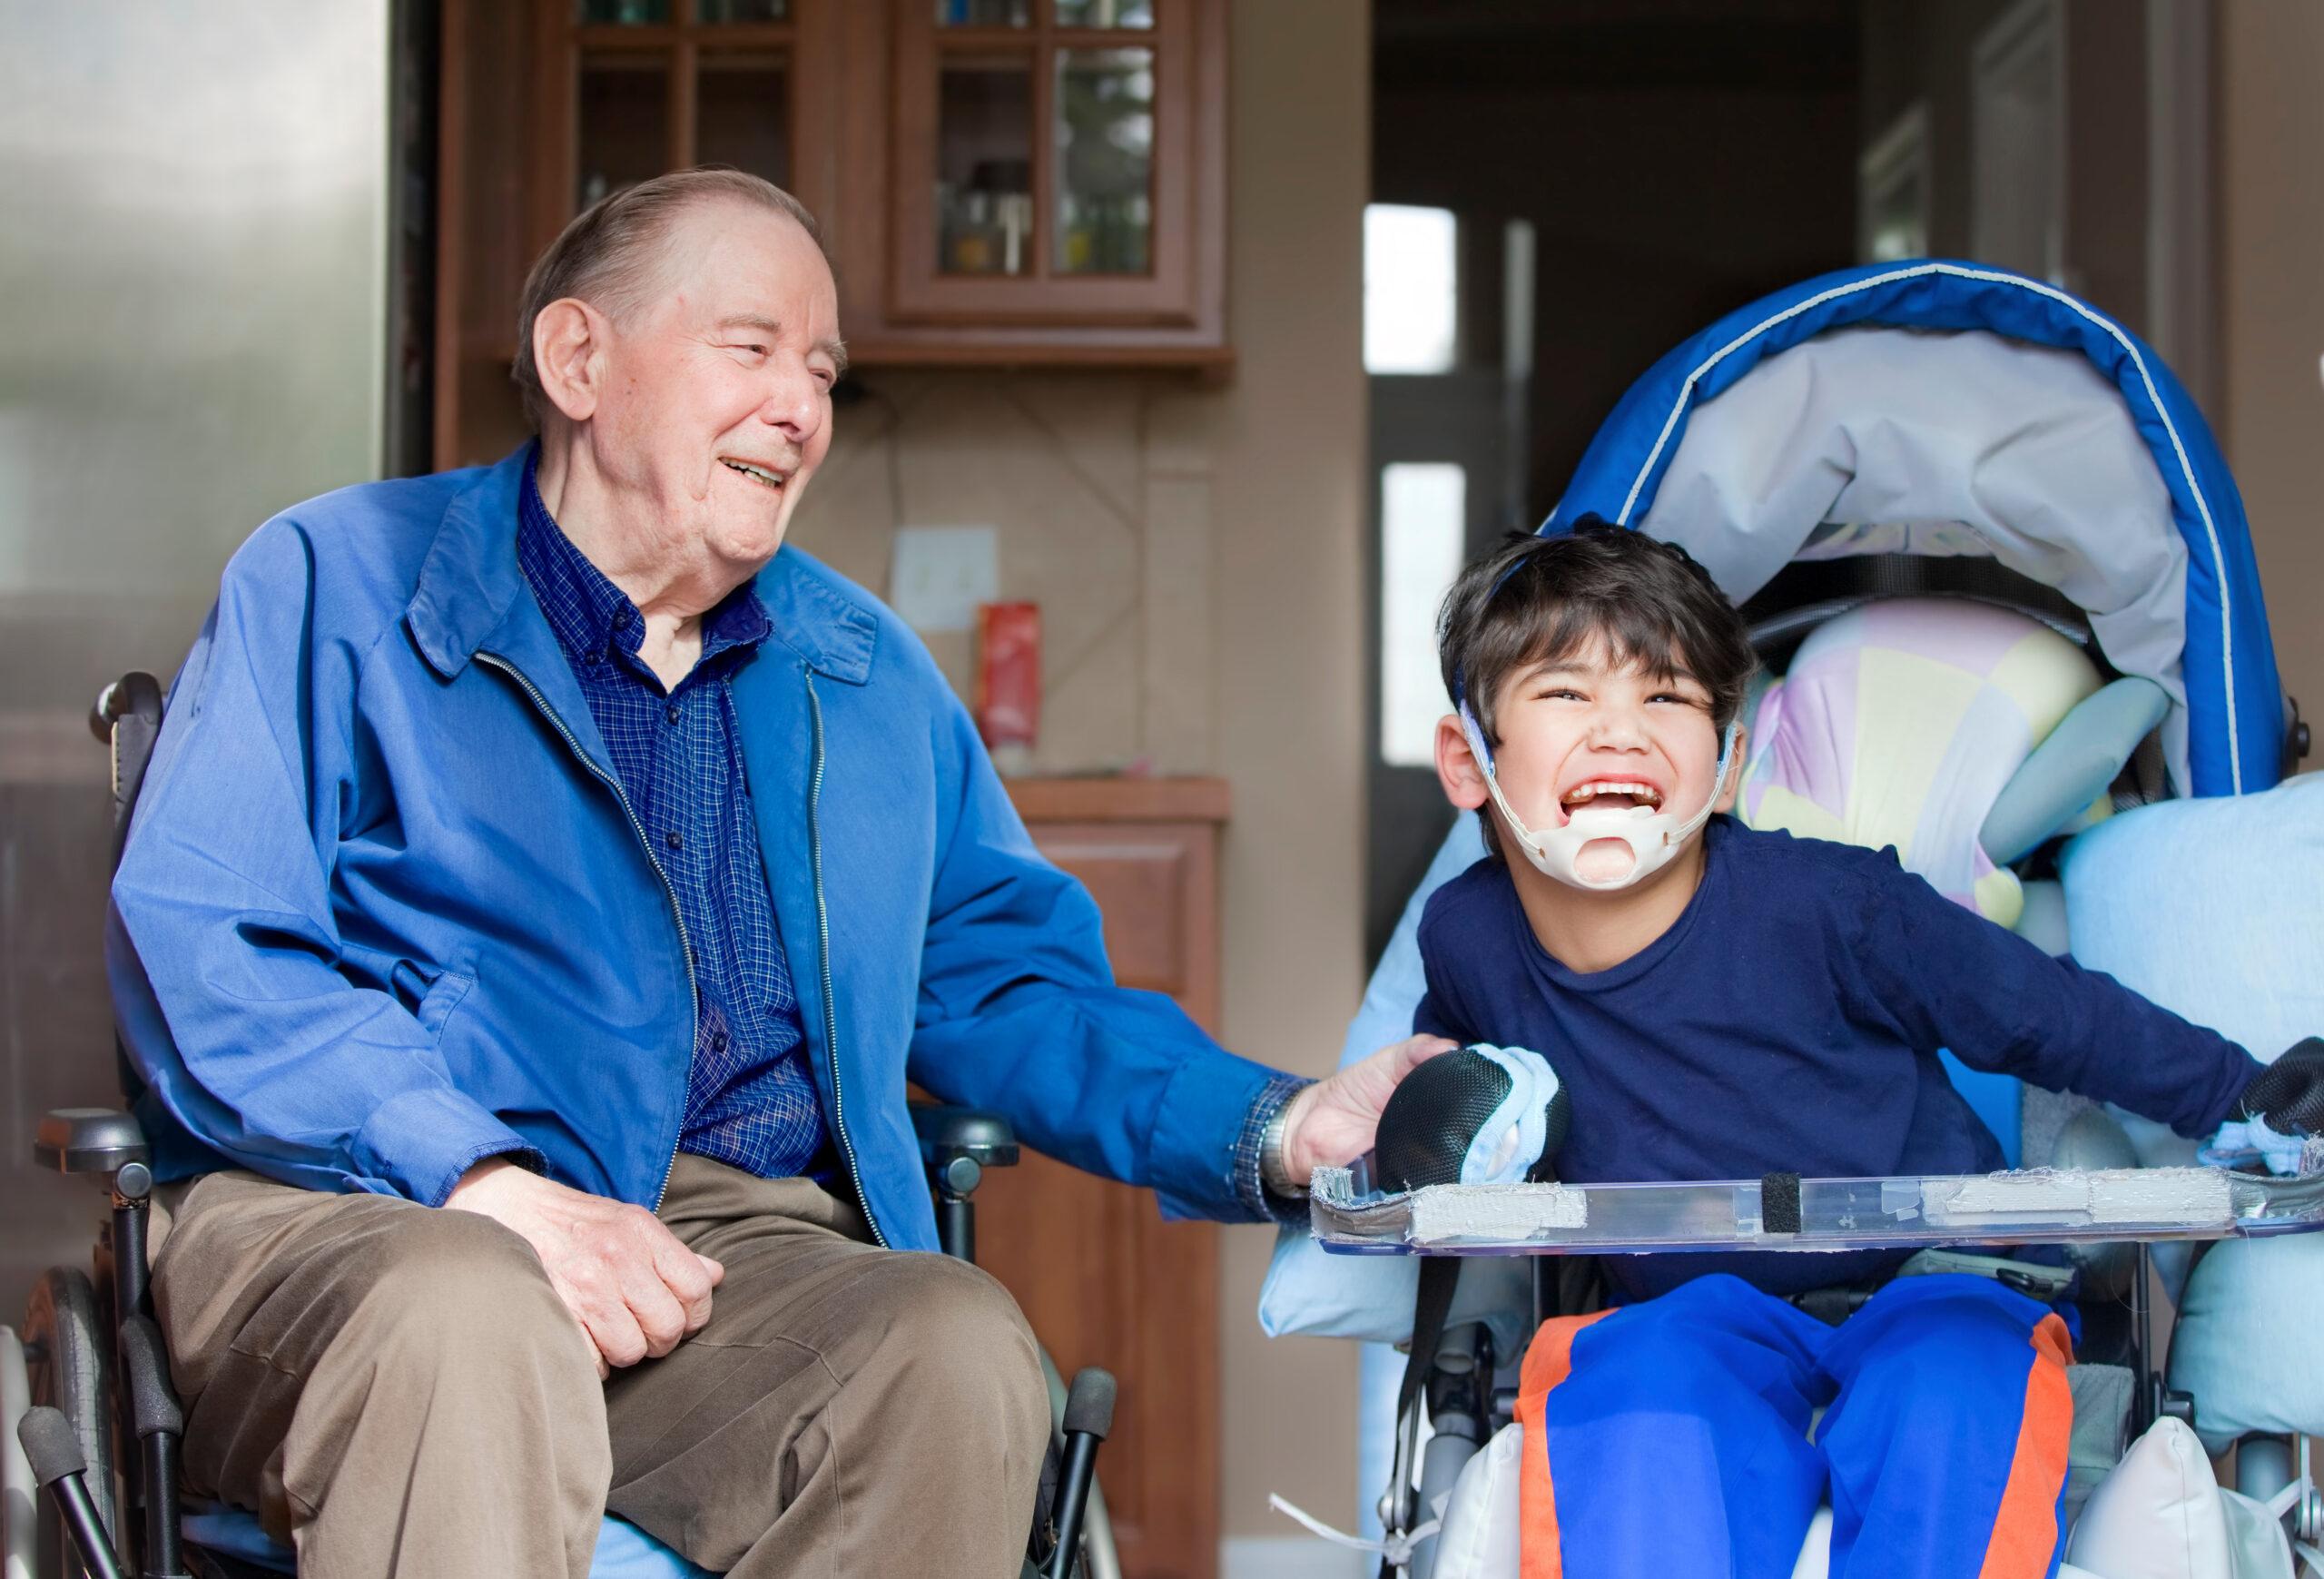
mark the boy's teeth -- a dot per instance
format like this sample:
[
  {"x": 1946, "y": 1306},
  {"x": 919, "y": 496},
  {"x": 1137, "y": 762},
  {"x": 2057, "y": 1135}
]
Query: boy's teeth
[{"x": 1589, "y": 791}]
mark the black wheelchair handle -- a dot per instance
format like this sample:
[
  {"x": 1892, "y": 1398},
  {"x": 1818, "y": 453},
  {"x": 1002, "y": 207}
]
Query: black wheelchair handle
[
  {"x": 1088, "y": 1417},
  {"x": 49, "y": 1442}
]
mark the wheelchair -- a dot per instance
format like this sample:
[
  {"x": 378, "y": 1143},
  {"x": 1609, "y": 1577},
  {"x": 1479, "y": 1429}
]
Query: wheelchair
[{"x": 90, "y": 1350}]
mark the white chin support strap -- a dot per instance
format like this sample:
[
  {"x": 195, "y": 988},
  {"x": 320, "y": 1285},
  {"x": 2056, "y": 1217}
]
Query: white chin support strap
[{"x": 1653, "y": 836}]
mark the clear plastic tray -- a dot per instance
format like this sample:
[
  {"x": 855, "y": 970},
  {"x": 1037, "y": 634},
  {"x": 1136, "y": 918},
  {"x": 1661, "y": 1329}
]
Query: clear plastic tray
[{"x": 2035, "y": 1205}]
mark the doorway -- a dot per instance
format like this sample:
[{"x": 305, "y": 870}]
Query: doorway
[{"x": 1612, "y": 175}]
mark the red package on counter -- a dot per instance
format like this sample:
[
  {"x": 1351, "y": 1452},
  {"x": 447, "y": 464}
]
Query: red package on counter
[{"x": 1008, "y": 674}]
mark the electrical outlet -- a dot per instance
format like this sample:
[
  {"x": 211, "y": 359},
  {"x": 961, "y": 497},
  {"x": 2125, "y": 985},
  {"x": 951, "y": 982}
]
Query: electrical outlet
[{"x": 941, "y": 573}]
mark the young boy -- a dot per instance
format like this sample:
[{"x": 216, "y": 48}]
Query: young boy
[{"x": 1722, "y": 1003}]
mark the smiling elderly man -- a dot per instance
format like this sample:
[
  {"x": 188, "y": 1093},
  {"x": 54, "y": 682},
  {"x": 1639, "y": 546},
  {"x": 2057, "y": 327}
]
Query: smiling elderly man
[{"x": 541, "y": 893}]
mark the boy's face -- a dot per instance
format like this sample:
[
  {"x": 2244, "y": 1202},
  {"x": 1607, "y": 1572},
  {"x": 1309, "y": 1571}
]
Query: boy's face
[{"x": 1588, "y": 731}]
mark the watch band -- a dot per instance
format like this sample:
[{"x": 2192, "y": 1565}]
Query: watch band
[{"x": 1272, "y": 1174}]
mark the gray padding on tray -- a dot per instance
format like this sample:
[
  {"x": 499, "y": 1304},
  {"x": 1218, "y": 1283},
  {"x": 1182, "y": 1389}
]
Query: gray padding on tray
[
  {"x": 1495, "y": 1212},
  {"x": 2164, "y": 1195}
]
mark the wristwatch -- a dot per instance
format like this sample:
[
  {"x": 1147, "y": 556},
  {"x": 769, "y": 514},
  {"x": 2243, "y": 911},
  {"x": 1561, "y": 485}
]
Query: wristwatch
[{"x": 1272, "y": 1171}]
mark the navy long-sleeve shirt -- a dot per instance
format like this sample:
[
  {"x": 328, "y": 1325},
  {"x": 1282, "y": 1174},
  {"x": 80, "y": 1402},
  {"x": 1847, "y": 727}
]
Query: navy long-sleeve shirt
[
  {"x": 1790, "y": 1020},
  {"x": 750, "y": 1100}
]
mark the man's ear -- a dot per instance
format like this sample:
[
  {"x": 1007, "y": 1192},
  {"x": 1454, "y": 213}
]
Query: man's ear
[
  {"x": 1457, "y": 767},
  {"x": 568, "y": 354},
  {"x": 1733, "y": 787}
]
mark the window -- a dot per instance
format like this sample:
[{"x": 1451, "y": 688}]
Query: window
[
  {"x": 1411, "y": 288},
  {"x": 1424, "y": 513}
]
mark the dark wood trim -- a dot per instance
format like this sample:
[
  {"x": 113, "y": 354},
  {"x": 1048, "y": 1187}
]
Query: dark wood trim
[
  {"x": 452, "y": 167},
  {"x": 1121, "y": 800},
  {"x": 556, "y": 56},
  {"x": 685, "y": 104}
]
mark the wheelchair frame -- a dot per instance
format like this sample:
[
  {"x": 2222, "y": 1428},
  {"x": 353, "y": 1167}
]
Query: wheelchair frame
[{"x": 85, "y": 1337}]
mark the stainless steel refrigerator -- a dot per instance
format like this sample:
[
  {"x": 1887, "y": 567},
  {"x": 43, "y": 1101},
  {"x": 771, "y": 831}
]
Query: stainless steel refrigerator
[{"x": 195, "y": 243}]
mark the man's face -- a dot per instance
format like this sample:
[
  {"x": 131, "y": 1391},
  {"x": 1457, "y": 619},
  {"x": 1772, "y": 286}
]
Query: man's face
[
  {"x": 1587, "y": 731},
  {"x": 715, "y": 406}
]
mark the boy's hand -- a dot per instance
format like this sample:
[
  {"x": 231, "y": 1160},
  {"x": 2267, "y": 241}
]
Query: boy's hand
[
  {"x": 2287, "y": 1096},
  {"x": 1330, "y": 1123}
]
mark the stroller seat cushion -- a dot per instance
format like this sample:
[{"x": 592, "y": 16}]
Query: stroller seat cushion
[
  {"x": 624, "y": 1550},
  {"x": 2162, "y": 1514},
  {"x": 2214, "y": 908},
  {"x": 1902, "y": 723}
]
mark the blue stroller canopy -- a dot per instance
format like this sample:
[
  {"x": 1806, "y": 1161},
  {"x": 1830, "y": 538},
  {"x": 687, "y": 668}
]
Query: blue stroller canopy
[{"x": 1946, "y": 407}]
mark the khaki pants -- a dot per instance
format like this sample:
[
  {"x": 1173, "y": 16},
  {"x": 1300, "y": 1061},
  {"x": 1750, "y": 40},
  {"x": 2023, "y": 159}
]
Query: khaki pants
[{"x": 399, "y": 1390}]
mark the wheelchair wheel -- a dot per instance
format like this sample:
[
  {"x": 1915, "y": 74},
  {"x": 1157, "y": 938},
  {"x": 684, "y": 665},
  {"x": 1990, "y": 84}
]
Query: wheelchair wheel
[{"x": 67, "y": 1363}]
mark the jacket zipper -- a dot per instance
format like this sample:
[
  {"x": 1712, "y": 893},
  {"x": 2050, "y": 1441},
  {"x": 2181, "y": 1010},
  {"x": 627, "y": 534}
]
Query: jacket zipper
[
  {"x": 685, "y": 944},
  {"x": 823, "y": 935}
]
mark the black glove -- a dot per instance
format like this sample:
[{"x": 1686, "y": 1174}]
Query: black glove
[{"x": 2287, "y": 1096}]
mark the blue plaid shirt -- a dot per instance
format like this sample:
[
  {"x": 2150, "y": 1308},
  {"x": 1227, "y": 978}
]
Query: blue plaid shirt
[{"x": 750, "y": 1100}]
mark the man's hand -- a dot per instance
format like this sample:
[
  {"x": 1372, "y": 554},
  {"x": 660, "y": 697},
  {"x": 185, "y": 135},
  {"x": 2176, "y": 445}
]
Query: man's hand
[
  {"x": 633, "y": 1287},
  {"x": 1330, "y": 1123}
]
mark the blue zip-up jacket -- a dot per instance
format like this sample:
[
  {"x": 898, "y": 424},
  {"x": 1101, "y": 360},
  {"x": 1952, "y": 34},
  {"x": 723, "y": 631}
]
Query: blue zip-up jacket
[{"x": 384, "y": 911}]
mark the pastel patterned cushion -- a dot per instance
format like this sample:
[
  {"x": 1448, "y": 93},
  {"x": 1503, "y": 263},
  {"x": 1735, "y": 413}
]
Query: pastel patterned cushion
[{"x": 1899, "y": 723}]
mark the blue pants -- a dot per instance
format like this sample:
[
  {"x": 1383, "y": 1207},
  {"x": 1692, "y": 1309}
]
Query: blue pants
[{"x": 1672, "y": 1439}]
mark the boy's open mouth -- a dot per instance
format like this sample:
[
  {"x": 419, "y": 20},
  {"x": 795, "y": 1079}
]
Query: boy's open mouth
[{"x": 1604, "y": 794}]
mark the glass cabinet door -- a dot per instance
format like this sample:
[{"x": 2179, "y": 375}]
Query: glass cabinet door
[
  {"x": 1047, "y": 177},
  {"x": 666, "y": 84}
]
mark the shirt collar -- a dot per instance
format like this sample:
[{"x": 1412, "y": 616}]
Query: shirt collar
[{"x": 593, "y": 618}]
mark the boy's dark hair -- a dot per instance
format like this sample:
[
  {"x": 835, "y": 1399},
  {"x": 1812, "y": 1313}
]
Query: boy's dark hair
[{"x": 1539, "y": 599}]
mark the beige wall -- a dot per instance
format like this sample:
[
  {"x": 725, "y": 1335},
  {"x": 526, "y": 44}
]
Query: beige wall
[
  {"x": 1291, "y": 449},
  {"x": 1198, "y": 556},
  {"x": 2270, "y": 269}
]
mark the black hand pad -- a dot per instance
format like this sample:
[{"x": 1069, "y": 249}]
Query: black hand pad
[
  {"x": 1433, "y": 1117},
  {"x": 2289, "y": 1092}
]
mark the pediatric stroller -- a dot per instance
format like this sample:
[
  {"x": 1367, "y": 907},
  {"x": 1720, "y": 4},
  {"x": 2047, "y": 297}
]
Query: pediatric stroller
[{"x": 1991, "y": 547}]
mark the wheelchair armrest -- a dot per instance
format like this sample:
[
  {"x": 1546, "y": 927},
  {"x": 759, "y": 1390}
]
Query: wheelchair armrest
[
  {"x": 948, "y": 1133},
  {"x": 88, "y": 1141}
]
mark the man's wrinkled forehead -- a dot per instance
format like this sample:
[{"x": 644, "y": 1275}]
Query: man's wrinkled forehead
[{"x": 725, "y": 262}]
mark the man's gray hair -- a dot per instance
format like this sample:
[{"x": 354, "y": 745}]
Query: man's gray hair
[{"x": 609, "y": 256}]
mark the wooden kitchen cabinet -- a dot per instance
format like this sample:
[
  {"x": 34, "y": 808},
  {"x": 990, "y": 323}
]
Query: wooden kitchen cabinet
[
  {"x": 1101, "y": 1277},
  {"x": 1000, "y": 182},
  {"x": 1049, "y": 180}
]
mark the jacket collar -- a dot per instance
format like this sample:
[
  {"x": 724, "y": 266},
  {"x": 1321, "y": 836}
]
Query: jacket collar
[{"x": 471, "y": 587}]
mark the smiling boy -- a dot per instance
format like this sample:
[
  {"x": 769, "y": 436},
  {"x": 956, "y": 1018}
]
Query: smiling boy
[{"x": 1722, "y": 1003}]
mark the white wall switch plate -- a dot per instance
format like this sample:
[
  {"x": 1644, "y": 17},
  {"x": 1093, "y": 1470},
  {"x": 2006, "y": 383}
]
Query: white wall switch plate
[{"x": 941, "y": 573}]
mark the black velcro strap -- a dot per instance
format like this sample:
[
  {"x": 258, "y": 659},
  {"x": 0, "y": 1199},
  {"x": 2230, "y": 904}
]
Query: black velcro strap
[
  {"x": 1440, "y": 1275},
  {"x": 1779, "y": 1203}
]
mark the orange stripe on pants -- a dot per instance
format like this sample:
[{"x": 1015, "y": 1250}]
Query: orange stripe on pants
[
  {"x": 1548, "y": 1358},
  {"x": 2026, "y": 1532}
]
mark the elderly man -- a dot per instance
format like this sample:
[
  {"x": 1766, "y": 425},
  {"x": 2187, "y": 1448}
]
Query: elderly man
[{"x": 541, "y": 893}]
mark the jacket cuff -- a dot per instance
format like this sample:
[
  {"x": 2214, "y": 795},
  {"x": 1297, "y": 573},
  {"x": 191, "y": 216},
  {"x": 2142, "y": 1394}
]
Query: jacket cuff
[
  {"x": 436, "y": 1135},
  {"x": 1195, "y": 1154},
  {"x": 1250, "y": 1182}
]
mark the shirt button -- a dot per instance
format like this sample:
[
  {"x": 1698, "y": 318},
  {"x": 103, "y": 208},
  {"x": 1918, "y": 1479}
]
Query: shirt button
[
  {"x": 672, "y": 712},
  {"x": 621, "y": 619},
  {"x": 673, "y": 839}
]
